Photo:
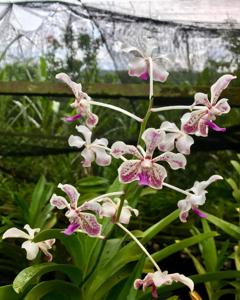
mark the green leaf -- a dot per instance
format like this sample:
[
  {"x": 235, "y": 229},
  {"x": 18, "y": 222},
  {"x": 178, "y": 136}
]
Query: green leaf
[
  {"x": 229, "y": 228},
  {"x": 63, "y": 288},
  {"x": 128, "y": 292},
  {"x": 209, "y": 251},
  {"x": 156, "y": 228},
  {"x": 169, "y": 250},
  {"x": 7, "y": 293},
  {"x": 28, "y": 276},
  {"x": 236, "y": 165}
]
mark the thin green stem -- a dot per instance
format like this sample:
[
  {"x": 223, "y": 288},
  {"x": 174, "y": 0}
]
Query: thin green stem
[
  {"x": 140, "y": 246},
  {"x": 172, "y": 187}
]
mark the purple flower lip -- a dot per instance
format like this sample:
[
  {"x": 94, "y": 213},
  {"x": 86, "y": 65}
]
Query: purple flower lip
[
  {"x": 199, "y": 213},
  {"x": 214, "y": 126},
  {"x": 144, "y": 76},
  {"x": 72, "y": 118},
  {"x": 143, "y": 179},
  {"x": 71, "y": 228}
]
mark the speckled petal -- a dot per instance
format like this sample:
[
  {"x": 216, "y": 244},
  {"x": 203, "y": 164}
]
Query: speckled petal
[
  {"x": 72, "y": 193},
  {"x": 129, "y": 171},
  {"x": 90, "y": 225},
  {"x": 221, "y": 84}
]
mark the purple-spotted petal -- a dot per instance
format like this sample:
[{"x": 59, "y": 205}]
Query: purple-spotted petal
[
  {"x": 159, "y": 72},
  {"x": 91, "y": 206},
  {"x": 89, "y": 224},
  {"x": 184, "y": 143},
  {"x": 120, "y": 148},
  {"x": 59, "y": 202},
  {"x": 201, "y": 98},
  {"x": 88, "y": 156},
  {"x": 157, "y": 174},
  {"x": 138, "y": 66},
  {"x": 45, "y": 246},
  {"x": 72, "y": 118},
  {"x": 129, "y": 171},
  {"x": 92, "y": 120},
  {"x": 202, "y": 128},
  {"x": 190, "y": 120},
  {"x": 175, "y": 160},
  {"x": 76, "y": 87},
  {"x": 222, "y": 106},
  {"x": 152, "y": 139},
  {"x": 72, "y": 193},
  {"x": 214, "y": 126},
  {"x": 71, "y": 228},
  {"x": 221, "y": 84}
]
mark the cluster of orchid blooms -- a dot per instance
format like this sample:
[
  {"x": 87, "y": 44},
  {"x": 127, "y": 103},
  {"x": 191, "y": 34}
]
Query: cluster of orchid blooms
[{"x": 138, "y": 163}]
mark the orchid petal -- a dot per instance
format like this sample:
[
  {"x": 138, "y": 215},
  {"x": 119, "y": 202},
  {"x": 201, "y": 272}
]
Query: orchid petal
[
  {"x": 129, "y": 170},
  {"x": 184, "y": 206},
  {"x": 133, "y": 50},
  {"x": 71, "y": 228},
  {"x": 90, "y": 225},
  {"x": 167, "y": 144},
  {"x": 76, "y": 141},
  {"x": 137, "y": 67},
  {"x": 159, "y": 72},
  {"x": 59, "y": 202},
  {"x": 222, "y": 106},
  {"x": 221, "y": 84},
  {"x": 88, "y": 156},
  {"x": 86, "y": 132},
  {"x": 199, "y": 213},
  {"x": 72, "y": 193},
  {"x": 202, "y": 128},
  {"x": 72, "y": 118},
  {"x": 215, "y": 127},
  {"x": 108, "y": 209},
  {"x": 184, "y": 143},
  {"x": 76, "y": 87},
  {"x": 152, "y": 138},
  {"x": 175, "y": 160},
  {"x": 166, "y": 126},
  {"x": 157, "y": 174},
  {"x": 92, "y": 120},
  {"x": 15, "y": 233},
  {"x": 31, "y": 231},
  {"x": 201, "y": 98},
  {"x": 126, "y": 214},
  {"x": 31, "y": 248},
  {"x": 192, "y": 120},
  {"x": 102, "y": 158},
  {"x": 199, "y": 187},
  {"x": 45, "y": 246},
  {"x": 91, "y": 206},
  {"x": 120, "y": 148},
  {"x": 183, "y": 279}
]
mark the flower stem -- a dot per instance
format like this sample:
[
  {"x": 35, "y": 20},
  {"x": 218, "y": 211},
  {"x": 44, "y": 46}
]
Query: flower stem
[
  {"x": 108, "y": 149},
  {"x": 177, "y": 189},
  {"x": 148, "y": 113},
  {"x": 174, "y": 107},
  {"x": 119, "y": 209},
  {"x": 113, "y": 107},
  {"x": 108, "y": 195},
  {"x": 140, "y": 246}
]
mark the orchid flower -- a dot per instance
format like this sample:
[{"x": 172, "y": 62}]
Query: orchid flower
[
  {"x": 198, "y": 122},
  {"x": 31, "y": 247},
  {"x": 110, "y": 208},
  {"x": 193, "y": 201},
  {"x": 95, "y": 150},
  {"x": 143, "y": 56},
  {"x": 182, "y": 140},
  {"x": 145, "y": 168},
  {"x": 81, "y": 103},
  {"x": 157, "y": 279},
  {"x": 78, "y": 217}
]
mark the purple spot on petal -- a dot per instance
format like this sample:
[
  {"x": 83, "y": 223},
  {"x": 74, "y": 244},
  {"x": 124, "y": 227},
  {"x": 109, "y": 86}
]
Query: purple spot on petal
[
  {"x": 143, "y": 178},
  {"x": 199, "y": 213},
  {"x": 144, "y": 76},
  {"x": 71, "y": 228},
  {"x": 214, "y": 126},
  {"x": 72, "y": 118}
]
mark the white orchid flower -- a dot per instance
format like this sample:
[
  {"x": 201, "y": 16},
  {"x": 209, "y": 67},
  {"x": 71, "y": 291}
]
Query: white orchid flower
[
  {"x": 93, "y": 150},
  {"x": 31, "y": 247}
]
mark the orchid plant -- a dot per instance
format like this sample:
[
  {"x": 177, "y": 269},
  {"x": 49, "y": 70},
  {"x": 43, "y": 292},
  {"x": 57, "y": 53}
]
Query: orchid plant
[{"x": 97, "y": 217}]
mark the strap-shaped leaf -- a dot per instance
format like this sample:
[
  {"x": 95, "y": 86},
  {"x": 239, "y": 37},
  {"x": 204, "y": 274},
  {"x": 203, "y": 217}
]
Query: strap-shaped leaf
[
  {"x": 7, "y": 292},
  {"x": 28, "y": 276}
]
